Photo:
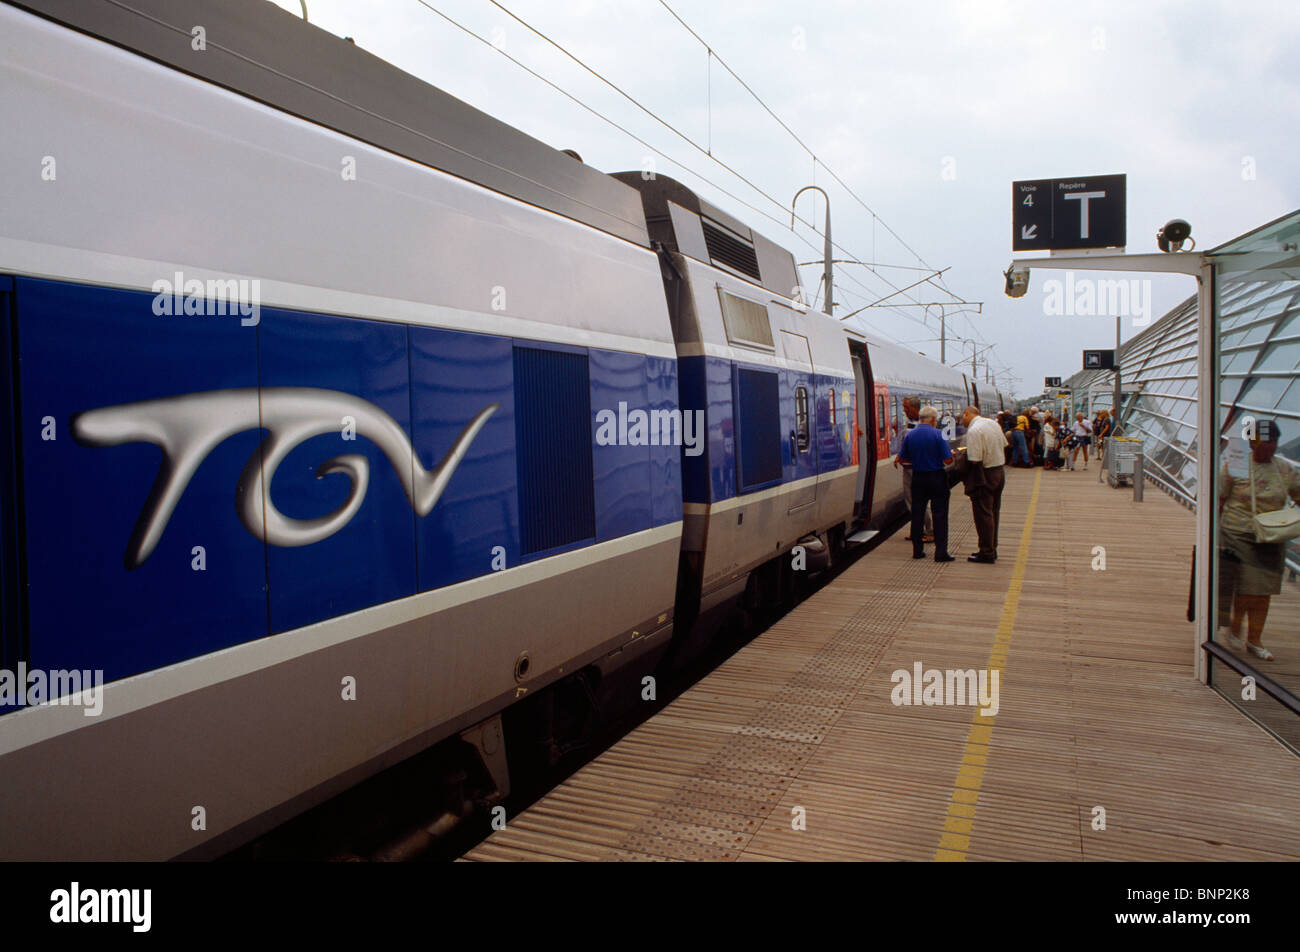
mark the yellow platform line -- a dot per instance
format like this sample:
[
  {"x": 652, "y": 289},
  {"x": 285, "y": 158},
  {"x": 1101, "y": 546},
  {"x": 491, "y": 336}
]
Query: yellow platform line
[{"x": 955, "y": 840}]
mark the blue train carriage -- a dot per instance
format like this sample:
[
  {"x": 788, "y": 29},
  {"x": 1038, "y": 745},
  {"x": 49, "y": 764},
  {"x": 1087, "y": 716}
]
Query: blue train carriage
[
  {"x": 772, "y": 383},
  {"x": 305, "y": 409}
]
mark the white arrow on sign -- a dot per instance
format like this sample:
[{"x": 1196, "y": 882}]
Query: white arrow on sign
[{"x": 1028, "y": 232}]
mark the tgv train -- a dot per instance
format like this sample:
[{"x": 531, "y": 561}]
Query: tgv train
[{"x": 347, "y": 419}]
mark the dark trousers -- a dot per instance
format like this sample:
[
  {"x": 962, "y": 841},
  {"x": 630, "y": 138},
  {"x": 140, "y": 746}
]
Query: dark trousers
[
  {"x": 907, "y": 497},
  {"x": 930, "y": 489},
  {"x": 986, "y": 505}
]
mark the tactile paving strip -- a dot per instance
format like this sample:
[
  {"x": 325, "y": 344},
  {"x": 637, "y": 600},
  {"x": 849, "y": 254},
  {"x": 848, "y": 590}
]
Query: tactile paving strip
[
  {"x": 748, "y": 774},
  {"x": 1102, "y": 712}
]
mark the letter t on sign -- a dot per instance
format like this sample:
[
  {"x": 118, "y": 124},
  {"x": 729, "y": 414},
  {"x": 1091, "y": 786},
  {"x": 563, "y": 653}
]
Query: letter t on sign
[{"x": 1083, "y": 197}]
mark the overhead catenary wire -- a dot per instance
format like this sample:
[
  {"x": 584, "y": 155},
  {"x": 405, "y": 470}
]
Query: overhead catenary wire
[
  {"x": 803, "y": 145},
  {"x": 623, "y": 129},
  {"x": 875, "y": 217},
  {"x": 706, "y": 150},
  {"x": 577, "y": 101}
]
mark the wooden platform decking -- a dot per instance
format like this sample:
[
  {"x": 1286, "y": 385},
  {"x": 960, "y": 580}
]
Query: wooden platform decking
[{"x": 1097, "y": 709}]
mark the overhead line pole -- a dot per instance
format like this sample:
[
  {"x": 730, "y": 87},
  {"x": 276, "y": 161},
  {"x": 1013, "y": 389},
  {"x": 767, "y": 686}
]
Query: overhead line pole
[{"x": 828, "y": 261}]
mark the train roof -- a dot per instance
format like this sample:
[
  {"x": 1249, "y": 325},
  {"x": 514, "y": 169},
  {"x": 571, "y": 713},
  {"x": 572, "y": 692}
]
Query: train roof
[
  {"x": 684, "y": 222},
  {"x": 258, "y": 50},
  {"x": 897, "y": 366}
]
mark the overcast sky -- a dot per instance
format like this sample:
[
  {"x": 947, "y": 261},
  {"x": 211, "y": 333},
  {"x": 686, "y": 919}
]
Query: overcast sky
[{"x": 927, "y": 111}]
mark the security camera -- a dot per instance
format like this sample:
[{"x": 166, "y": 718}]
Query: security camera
[
  {"x": 1171, "y": 237},
  {"x": 1017, "y": 281}
]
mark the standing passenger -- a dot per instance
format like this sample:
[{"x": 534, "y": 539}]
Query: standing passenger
[
  {"x": 927, "y": 453},
  {"x": 1020, "y": 455},
  {"x": 985, "y": 477},
  {"x": 1082, "y": 430},
  {"x": 912, "y": 413},
  {"x": 1104, "y": 429},
  {"x": 1051, "y": 457}
]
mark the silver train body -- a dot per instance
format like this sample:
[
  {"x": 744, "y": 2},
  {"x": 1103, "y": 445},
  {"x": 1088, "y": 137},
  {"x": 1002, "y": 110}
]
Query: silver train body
[{"x": 586, "y": 411}]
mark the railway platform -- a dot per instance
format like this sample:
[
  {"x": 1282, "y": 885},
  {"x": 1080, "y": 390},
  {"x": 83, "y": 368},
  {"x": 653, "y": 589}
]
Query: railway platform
[{"x": 1102, "y": 746}]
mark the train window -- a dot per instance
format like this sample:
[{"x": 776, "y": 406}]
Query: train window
[
  {"x": 11, "y": 633},
  {"x": 553, "y": 448},
  {"x": 801, "y": 418},
  {"x": 832, "y": 405},
  {"x": 747, "y": 322},
  {"x": 758, "y": 427},
  {"x": 882, "y": 416}
]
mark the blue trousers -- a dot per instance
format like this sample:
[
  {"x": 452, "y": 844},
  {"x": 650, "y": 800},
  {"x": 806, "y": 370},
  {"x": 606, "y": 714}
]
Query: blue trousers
[{"x": 1019, "y": 447}]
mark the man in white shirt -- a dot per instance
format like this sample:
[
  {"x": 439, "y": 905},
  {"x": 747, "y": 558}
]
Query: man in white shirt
[{"x": 985, "y": 456}]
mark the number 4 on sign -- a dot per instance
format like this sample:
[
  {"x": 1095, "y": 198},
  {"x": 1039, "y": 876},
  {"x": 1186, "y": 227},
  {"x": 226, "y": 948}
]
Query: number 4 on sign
[{"x": 1029, "y": 200}]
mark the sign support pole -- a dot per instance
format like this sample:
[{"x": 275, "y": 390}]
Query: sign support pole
[{"x": 1118, "y": 396}]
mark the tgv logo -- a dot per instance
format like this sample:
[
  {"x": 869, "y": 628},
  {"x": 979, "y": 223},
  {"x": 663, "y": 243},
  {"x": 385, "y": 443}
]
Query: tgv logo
[{"x": 188, "y": 427}]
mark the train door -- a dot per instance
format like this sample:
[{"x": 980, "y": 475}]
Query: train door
[
  {"x": 884, "y": 421},
  {"x": 11, "y": 587},
  {"x": 864, "y": 452}
]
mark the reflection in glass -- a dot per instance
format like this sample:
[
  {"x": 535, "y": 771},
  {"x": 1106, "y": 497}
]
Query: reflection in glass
[{"x": 1258, "y": 582}]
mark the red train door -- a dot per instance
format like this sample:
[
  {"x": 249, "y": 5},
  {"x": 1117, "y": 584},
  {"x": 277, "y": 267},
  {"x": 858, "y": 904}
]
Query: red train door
[{"x": 884, "y": 422}]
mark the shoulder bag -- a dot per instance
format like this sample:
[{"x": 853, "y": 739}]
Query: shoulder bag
[{"x": 1280, "y": 525}]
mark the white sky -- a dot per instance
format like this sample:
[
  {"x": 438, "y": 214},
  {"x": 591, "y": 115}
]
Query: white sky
[{"x": 1188, "y": 98}]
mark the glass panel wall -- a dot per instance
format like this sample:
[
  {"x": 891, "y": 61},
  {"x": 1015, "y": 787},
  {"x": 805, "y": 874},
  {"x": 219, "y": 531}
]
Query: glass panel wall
[
  {"x": 1256, "y": 568},
  {"x": 1158, "y": 380},
  {"x": 1254, "y": 602}
]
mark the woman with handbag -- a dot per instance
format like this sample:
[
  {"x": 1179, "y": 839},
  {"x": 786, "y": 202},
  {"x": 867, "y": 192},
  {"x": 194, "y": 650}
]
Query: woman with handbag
[{"x": 1256, "y": 518}]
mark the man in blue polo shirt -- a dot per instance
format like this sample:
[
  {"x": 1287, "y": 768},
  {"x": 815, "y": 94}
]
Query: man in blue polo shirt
[{"x": 928, "y": 453}]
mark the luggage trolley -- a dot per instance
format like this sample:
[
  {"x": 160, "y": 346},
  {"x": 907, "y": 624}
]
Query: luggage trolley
[{"x": 1121, "y": 454}]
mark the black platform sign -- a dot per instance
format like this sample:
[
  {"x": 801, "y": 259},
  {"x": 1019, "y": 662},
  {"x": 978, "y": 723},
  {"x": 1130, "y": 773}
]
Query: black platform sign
[
  {"x": 1050, "y": 382},
  {"x": 1061, "y": 214},
  {"x": 1099, "y": 360}
]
